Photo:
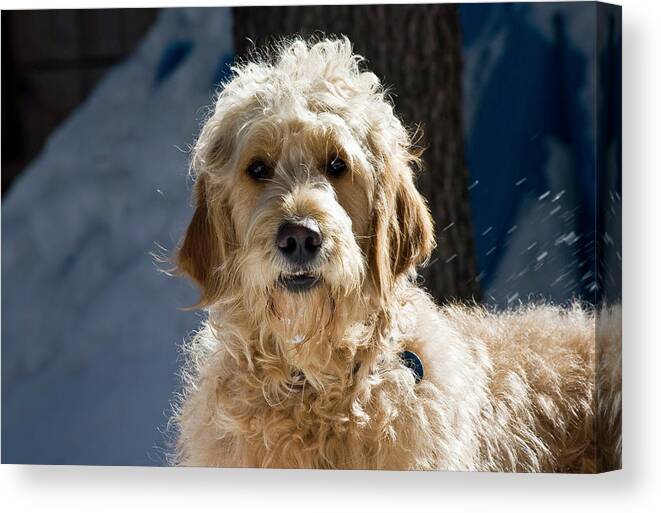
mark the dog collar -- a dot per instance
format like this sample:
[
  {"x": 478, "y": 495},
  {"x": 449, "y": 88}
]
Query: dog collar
[
  {"x": 414, "y": 363},
  {"x": 410, "y": 360}
]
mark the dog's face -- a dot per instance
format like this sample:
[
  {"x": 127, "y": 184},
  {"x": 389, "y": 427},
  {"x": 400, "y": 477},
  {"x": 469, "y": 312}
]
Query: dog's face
[{"x": 304, "y": 191}]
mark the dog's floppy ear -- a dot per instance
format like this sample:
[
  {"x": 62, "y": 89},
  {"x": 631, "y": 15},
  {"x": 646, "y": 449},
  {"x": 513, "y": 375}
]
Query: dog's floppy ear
[
  {"x": 403, "y": 227},
  {"x": 205, "y": 246},
  {"x": 412, "y": 239}
]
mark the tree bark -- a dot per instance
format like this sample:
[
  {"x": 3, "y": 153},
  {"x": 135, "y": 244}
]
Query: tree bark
[{"x": 415, "y": 51}]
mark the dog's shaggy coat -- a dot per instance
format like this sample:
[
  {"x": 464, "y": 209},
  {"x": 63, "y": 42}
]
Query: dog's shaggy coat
[{"x": 313, "y": 379}]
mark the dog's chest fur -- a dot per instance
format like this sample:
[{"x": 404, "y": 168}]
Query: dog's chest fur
[
  {"x": 382, "y": 421},
  {"x": 492, "y": 399}
]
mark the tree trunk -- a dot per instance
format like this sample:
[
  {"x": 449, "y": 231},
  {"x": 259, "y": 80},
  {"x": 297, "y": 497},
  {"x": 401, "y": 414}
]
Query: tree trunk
[{"x": 415, "y": 50}]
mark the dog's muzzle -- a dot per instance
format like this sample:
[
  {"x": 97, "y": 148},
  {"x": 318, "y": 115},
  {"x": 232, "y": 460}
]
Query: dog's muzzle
[{"x": 299, "y": 243}]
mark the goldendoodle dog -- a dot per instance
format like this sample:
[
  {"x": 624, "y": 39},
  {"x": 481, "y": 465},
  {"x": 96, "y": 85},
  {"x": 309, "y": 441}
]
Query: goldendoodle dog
[{"x": 320, "y": 351}]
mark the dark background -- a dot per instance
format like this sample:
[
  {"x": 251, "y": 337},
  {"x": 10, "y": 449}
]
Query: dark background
[{"x": 51, "y": 60}]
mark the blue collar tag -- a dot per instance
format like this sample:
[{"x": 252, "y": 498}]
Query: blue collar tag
[{"x": 414, "y": 363}]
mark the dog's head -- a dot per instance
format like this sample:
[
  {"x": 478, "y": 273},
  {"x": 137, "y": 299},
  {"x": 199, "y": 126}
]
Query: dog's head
[{"x": 304, "y": 190}]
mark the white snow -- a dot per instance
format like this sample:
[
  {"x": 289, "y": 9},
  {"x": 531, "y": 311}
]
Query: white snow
[{"x": 91, "y": 327}]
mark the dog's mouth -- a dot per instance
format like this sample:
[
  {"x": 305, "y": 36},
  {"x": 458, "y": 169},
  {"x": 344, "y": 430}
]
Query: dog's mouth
[{"x": 299, "y": 281}]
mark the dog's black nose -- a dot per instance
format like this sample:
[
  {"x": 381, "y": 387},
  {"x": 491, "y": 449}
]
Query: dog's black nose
[{"x": 299, "y": 242}]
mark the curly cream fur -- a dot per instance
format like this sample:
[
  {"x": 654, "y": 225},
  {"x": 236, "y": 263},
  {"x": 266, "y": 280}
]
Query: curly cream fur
[{"x": 313, "y": 379}]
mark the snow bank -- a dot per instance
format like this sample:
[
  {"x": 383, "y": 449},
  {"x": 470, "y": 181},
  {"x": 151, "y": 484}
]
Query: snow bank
[{"x": 91, "y": 329}]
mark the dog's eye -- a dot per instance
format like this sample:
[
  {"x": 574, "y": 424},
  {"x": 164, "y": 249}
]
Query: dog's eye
[
  {"x": 336, "y": 167},
  {"x": 259, "y": 170}
]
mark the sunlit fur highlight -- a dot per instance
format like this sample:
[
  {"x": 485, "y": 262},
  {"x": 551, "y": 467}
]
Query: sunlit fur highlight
[{"x": 314, "y": 379}]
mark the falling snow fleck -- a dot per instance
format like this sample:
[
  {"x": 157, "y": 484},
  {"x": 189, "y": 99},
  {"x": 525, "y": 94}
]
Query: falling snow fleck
[
  {"x": 532, "y": 246},
  {"x": 555, "y": 210},
  {"x": 520, "y": 182},
  {"x": 512, "y": 229},
  {"x": 542, "y": 256},
  {"x": 544, "y": 195},
  {"x": 558, "y": 279},
  {"x": 451, "y": 258},
  {"x": 491, "y": 250},
  {"x": 487, "y": 231},
  {"x": 567, "y": 238},
  {"x": 558, "y": 196},
  {"x": 474, "y": 184},
  {"x": 449, "y": 226},
  {"x": 522, "y": 273}
]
